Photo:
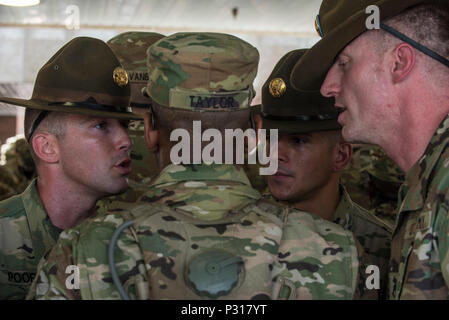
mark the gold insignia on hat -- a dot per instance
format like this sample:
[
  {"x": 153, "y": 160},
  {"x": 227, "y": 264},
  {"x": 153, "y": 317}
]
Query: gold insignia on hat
[
  {"x": 120, "y": 76},
  {"x": 277, "y": 87}
]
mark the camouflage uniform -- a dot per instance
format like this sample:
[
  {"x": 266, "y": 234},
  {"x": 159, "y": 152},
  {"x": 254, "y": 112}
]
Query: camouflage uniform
[
  {"x": 18, "y": 169},
  {"x": 193, "y": 211},
  {"x": 201, "y": 231},
  {"x": 71, "y": 77},
  {"x": 26, "y": 234},
  {"x": 372, "y": 233},
  {"x": 419, "y": 265},
  {"x": 373, "y": 180}
]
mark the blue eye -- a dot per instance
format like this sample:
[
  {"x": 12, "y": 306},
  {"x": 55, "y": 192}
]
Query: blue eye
[{"x": 101, "y": 125}]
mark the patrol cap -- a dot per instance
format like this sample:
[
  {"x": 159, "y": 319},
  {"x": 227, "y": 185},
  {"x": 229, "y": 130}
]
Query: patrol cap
[
  {"x": 202, "y": 72},
  {"x": 291, "y": 111},
  {"x": 340, "y": 22},
  {"x": 130, "y": 48},
  {"x": 83, "y": 77}
]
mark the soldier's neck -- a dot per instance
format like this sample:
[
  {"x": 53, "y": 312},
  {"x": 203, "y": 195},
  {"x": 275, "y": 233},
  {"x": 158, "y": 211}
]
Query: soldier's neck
[
  {"x": 322, "y": 202},
  {"x": 64, "y": 207}
]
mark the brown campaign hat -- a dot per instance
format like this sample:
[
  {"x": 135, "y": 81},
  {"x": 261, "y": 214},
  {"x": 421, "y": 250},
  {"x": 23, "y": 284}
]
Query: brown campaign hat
[
  {"x": 291, "y": 111},
  {"x": 83, "y": 77},
  {"x": 338, "y": 23}
]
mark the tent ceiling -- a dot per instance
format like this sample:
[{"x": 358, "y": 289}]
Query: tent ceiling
[{"x": 295, "y": 17}]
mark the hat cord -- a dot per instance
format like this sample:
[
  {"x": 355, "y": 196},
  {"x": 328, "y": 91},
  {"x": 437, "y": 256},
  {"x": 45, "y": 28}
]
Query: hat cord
[{"x": 415, "y": 44}]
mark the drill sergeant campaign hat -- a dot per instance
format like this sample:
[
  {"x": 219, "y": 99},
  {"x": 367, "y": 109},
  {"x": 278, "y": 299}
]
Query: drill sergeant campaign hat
[
  {"x": 340, "y": 22},
  {"x": 83, "y": 77},
  {"x": 202, "y": 72},
  {"x": 291, "y": 111},
  {"x": 130, "y": 49}
]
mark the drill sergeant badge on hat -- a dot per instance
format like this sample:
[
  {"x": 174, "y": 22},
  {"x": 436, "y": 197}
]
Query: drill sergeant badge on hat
[
  {"x": 120, "y": 76},
  {"x": 290, "y": 111},
  {"x": 83, "y": 77},
  {"x": 277, "y": 87},
  {"x": 130, "y": 49}
]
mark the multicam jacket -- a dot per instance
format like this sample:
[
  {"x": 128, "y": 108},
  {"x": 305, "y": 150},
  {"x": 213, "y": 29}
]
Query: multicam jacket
[
  {"x": 373, "y": 234},
  {"x": 26, "y": 233},
  {"x": 419, "y": 265},
  {"x": 202, "y": 232}
]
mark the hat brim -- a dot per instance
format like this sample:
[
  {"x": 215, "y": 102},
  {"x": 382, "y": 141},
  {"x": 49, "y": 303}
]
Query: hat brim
[
  {"x": 43, "y": 105},
  {"x": 310, "y": 71},
  {"x": 299, "y": 127}
]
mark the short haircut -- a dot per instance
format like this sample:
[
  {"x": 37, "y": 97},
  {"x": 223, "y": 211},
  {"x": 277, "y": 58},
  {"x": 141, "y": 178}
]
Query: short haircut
[
  {"x": 426, "y": 24},
  {"x": 54, "y": 123}
]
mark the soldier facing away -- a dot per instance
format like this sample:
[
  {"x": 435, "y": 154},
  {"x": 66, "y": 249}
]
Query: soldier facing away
[
  {"x": 312, "y": 155},
  {"x": 201, "y": 231},
  {"x": 392, "y": 85},
  {"x": 76, "y": 124}
]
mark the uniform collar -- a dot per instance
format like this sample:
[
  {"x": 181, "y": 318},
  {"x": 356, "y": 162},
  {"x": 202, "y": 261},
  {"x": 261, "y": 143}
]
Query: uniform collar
[
  {"x": 206, "y": 192},
  {"x": 213, "y": 172},
  {"x": 415, "y": 188},
  {"x": 43, "y": 232},
  {"x": 342, "y": 214}
]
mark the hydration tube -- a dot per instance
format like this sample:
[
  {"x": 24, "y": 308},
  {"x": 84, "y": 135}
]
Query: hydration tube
[{"x": 112, "y": 243}]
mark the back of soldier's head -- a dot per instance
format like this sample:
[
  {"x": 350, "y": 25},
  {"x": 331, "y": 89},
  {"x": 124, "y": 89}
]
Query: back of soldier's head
[{"x": 201, "y": 76}]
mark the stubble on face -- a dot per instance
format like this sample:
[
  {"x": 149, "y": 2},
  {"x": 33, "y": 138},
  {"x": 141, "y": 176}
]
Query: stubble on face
[{"x": 90, "y": 159}]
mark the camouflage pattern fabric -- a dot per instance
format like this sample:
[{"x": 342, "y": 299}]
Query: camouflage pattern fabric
[
  {"x": 373, "y": 180},
  {"x": 202, "y": 72},
  {"x": 373, "y": 234},
  {"x": 18, "y": 169},
  {"x": 188, "y": 215},
  {"x": 26, "y": 233},
  {"x": 419, "y": 265},
  {"x": 144, "y": 164}
]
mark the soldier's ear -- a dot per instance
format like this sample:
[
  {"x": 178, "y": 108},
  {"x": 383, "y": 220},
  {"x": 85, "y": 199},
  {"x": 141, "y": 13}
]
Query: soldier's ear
[
  {"x": 404, "y": 59},
  {"x": 342, "y": 156},
  {"x": 151, "y": 134},
  {"x": 45, "y": 146}
]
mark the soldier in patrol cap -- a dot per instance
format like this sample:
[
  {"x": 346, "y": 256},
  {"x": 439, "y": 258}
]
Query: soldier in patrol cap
[
  {"x": 386, "y": 63},
  {"x": 75, "y": 123},
  {"x": 201, "y": 231},
  {"x": 312, "y": 155}
]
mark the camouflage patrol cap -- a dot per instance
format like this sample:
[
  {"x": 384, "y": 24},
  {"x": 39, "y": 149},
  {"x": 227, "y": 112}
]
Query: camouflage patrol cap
[
  {"x": 291, "y": 111},
  {"x": 130, "y": 48},
  {"x": 202, "y": 72},
  {"x": 83, "y": 77}
]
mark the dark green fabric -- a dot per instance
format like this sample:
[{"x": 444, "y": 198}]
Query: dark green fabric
[{"x": 294, "y": 111}]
